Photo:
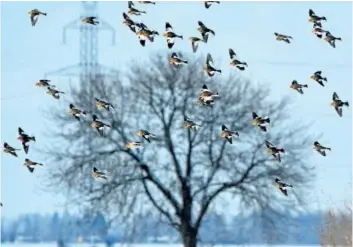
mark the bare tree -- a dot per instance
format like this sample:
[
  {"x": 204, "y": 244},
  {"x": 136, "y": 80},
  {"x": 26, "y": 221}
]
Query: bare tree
[
  {"x": 336, "y": 229},
  {"x": 181, "y": 173}
]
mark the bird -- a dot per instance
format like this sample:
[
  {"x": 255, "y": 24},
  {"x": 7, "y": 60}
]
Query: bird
[
  {"x": 176, "y": 61},
  {"x": 317, "y": 76},
  {"x": 170, "y": 35},
  {"x": 145, "y": 33},
  {"x": 206, "y": 96},
  {"x": 53, "y": 92},
  {"x": 209, "y": 3},
  {"x": 98, "y": 174},
  {"x": 145, "y": 134},
  {"x": 205, "y": 31},
  {"x": 132, "y": 10},
  {"x": 75, "y": 112},
  {"x": 44, "y": 83},
  {"x": 282, "y": 37},
  {"x": 31, "y": 164},
  {"x": 282, "y": 186},
  {"x": 314, "y": 18},
  {"x": 129, "y": 23},
  {"x": 318, "y": 31},
  {"x": 260, "y": 121},
  {"x": 227, "y": 134},
  {"x": 90, "y": 20},
  {"x": 274, "y": 151},
  {"x": 1, "y": 204},
  {"x": 298, "y": 87},
  {"x": 195, "y": 43},
  {"x": 24, "y": 138},
  {"x": 337, "y": 104},
  {"x": 133, "y": 145},
  {"x": 189, "y": 124},
  {"x": 209, "y": 68},
  {"x": 331, "y": 39},
  {"x": 10, "y": 150},
  {"x": 103, "y": 104},
  {"x": 320, "y": 149},
  {"x": 34, "y": 14},
  {"x": 235, "y": 62},
  {"x": 147, "y": 2},
  {"x": 98, "y": 125}
]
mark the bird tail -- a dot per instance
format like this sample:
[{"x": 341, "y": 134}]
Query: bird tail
[
  {"x": 218, "y": 70},
  {"x": 44, "y": 14},
  {"x": 84, "y": 113},
  {"x": 39, "y": 164},
  {"x": 339, "y": 39},
  {"x": 324, "y": 78},
  {"x": 328, "y": 149},
  {"x": 305, "y": 85},
  {"x": 107, "y": 125},
  {"x": 267, "y": 119},
  {"x": 184, "y": 61},
  {"x": 33, "y": 138},
  {"x": 144, "y": 12},
  {"x": 346, "y": 103},
  {"x": 180, "y": 36},
  {"x": 281, "y": 150},
  {"x": 289, "y": 185}
]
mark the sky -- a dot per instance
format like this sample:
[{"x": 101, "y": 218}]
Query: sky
[{"x": 27, "y": 53}]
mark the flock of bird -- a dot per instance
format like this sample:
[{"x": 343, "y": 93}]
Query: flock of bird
[{"x": 206, "y": 97}]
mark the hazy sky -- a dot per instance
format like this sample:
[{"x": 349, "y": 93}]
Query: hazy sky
[{"x": 28, "y": 52}]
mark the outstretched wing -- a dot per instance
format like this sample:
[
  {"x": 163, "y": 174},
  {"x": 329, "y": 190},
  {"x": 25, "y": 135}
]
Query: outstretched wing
[
  {"x": 335, "y": 96},
  {"x": 224, "y": 127},
  {"x": 254, "y": 115},
  {"x": 168, "y": 27},
  {"x": 232, "y": 54},
  {"x": 130, "y": 4},
  {"x": 201, "y": 24},
  {"x": 209, "y": 60},
  {"x": 311, "y": 13}
]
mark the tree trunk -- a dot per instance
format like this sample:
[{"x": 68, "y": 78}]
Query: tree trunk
[{"x": 189, "y": 236}]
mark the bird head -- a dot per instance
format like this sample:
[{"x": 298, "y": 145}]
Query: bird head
[
  {"x": 312, "y": 77},
  {"x": 310, "y": 20},
  {"x": 37, "y": 84},
  {"x": 165, "y": 34},
  {"x": 254, "y": 122},
  {"x": 324, "y": 18}
]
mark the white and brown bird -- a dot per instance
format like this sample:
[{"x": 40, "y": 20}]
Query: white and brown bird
[
  {"x": 44, "y": 83},
  {"x": 98, "y": 125},
  {"x": 176, "y": 61},
  {"x": 318, "y": 31},
  {"x": 92, "y": 20},
  {"x": 331, "y": 39},
  {"x": 98, "y": 174},
  {"x": 228, "y": 134},
  {"x": 103, "y": 104},
  {"x": 282, "y": 186},
  {"x": 315, "y": 18},
  {"x": 170, "y": 35},
  {"x": 282, "y": 37},
  {"x": 298, "y": 87},
  {"x": 209, "y": 68},
  {"x": 234, "y": 62},
  {"x": 34, "y": 14},
  {"x": 130, "y": 23},
  {"x": 134, "y": 11},
  {"x": 25, "y": 139},
  {"x": 133, "y": 145},
  {"x": 207, "y": 96},
  {"x": 320, "y": 149},
  {"x": 274, "y": 151},
  {"x": 190, "y": 124},
  {"x": 205, "y": 31},
  {"x": 53, "y": 92},
  {"x": 317, "y": 76},
  {"x": 10, "y": 150},
  {"x": 31, "y": 164},
  {"x": 260, "y": 121},
  {"x": 145, "y": 134},
  {"x": 76, "y": 113},
  {"x": 338, "y": 104},
  {"x": 195, "y": 41}
]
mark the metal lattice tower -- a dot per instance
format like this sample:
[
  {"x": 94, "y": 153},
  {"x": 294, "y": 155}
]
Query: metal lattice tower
[{"x": 88, "y": 67}]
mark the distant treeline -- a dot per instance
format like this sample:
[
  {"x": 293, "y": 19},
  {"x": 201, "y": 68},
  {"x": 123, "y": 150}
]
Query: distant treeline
[{"x": 147, "y": 229}]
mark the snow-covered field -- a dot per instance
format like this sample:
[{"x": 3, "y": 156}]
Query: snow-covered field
[{"x": 135, "y": 245}]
